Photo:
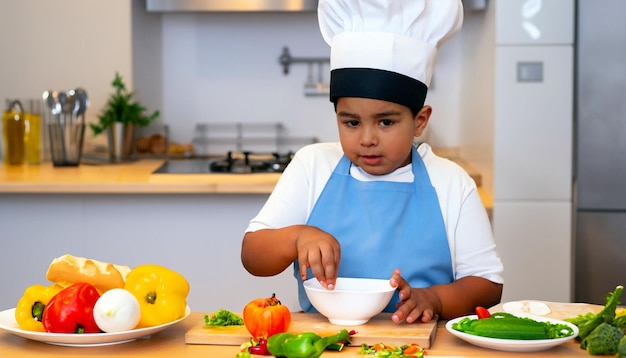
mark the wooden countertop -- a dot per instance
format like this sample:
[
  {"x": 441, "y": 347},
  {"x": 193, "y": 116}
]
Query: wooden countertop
[
  {"x": 126, "y": 178},
  {"x": 136, "y": 178},
  {"x": 171, "y": 343}
]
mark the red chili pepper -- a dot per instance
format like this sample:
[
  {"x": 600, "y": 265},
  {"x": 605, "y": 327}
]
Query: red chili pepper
[
  {"x": 71, "y": 310},
  {"x": 482, "y": 312},
  {"x": 260, "y": 349}
]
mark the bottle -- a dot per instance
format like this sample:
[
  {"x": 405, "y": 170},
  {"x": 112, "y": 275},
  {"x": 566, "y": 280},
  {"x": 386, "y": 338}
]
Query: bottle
[
  {"x": 32, "y": 137},
  {"x": 13, "y": 130}
]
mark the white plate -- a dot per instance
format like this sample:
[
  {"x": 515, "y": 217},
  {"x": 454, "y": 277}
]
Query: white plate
[
  {"x": 513, "y": 345},
  {"x": 8, "y": 324}
]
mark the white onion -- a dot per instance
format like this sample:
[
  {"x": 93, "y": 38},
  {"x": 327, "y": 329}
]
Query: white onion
[{"x": 117, "y": 310}]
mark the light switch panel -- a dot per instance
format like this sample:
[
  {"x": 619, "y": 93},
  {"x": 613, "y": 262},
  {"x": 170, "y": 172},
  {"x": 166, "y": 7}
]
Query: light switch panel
[{"x": 530, "y": 72}]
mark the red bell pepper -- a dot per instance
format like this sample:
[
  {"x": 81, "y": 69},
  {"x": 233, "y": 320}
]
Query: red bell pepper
[{"x": 71, "y": 310}]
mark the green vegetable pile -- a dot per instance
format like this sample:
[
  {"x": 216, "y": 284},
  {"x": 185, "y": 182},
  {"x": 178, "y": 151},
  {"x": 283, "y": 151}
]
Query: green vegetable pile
[
  {"x": 507, "y": 326},
  {"x": 603, "y": 333},
  {"x": 222, "y": 318}
]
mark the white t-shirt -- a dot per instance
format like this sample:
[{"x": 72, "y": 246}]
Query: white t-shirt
[{"x": 470, "y": 238}]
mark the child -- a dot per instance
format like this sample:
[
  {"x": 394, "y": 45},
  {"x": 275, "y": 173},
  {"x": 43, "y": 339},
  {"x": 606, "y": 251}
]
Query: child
[{"x": 375, "y": 205}]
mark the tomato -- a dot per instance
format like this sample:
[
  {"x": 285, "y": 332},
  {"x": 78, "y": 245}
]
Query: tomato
[
  {"x": 264, "y": 317},
  {"x": 117, "y": 310},
  {"x": 71, "y": 310},
  {"x": 482, "y": 312}
]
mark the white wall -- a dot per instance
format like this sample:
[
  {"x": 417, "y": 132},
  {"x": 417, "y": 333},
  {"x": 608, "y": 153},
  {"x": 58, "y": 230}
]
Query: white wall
[
  {"x": 61, "y": 45},
  {"x": 220, "y": 67},
  {"x": 197, "y": 67}
]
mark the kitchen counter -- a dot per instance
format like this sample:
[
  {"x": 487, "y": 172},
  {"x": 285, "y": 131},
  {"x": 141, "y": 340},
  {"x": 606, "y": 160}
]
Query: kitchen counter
[
  {"x": 127, "y": 178},
  {"x": 136, "y": 178},
  {"x": 171, "y": 343}
]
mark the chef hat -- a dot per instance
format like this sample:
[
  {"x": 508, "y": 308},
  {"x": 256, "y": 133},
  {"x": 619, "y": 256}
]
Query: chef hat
[{"x": 386, "y": 49}]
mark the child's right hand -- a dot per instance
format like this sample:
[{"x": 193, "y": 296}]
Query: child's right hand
[{"x": 321, "y": 252}]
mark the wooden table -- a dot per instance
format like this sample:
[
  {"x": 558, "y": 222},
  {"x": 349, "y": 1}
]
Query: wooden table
[{"x": 171, "y": 343}]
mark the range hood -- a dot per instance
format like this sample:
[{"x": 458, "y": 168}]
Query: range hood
[
  {"x": 231, "y": 5},
  {"x": 255, "y": 5}
]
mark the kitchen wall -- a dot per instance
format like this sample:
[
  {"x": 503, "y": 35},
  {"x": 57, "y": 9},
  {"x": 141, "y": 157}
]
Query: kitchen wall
[
  {"x": 219, "y": 67},
  {"x": 64, "y": 44},
  {"x": 214, "y": 67}
]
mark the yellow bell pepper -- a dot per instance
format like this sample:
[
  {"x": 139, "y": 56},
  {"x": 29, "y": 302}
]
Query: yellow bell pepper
[
  {"x": 161, "y": 293},
  {"x": 29, "y": 309}
]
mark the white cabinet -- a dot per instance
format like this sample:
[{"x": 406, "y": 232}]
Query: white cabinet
[
  {"x": 196, "y": 235},
  {"x": 533, "y": 127},
  {"x": 534, "y": 124},
  {"x": 534, "y": 239},
  {"x": 539, "y": 22}
]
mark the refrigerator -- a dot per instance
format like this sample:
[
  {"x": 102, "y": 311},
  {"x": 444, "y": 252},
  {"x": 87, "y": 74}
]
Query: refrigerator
[{"x": 600, "y": 150}]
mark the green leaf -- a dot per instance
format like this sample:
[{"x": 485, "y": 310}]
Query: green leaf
[{"x": 121, "y": 108}]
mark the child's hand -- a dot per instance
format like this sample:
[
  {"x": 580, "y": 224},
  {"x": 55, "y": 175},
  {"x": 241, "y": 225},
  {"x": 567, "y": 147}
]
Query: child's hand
[
  {"x": 320, "y": 251},
  {"x": 414, "y": 302}
]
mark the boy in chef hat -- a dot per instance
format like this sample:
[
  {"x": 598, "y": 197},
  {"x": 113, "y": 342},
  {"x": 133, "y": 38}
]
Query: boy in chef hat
[{"x": 375, "y": 205}]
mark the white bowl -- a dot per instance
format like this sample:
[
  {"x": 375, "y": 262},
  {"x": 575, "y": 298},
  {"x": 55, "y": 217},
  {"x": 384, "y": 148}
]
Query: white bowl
[{"x": 353, "y": 301}]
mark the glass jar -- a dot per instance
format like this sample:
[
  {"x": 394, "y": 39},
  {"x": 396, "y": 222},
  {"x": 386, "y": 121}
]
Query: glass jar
[
  {"x": 32, "y": 135},
  {"x": 13, "y": 131}
]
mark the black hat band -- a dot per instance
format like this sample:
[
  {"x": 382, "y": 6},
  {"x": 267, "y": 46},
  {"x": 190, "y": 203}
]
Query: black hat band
[{"x": 377, "y": 84}]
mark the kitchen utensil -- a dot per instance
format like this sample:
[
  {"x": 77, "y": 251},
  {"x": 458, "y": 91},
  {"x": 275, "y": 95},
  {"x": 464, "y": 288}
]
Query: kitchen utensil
[
  {"x": 66, "y": 132},
  {"x": 379, "y": 329}
]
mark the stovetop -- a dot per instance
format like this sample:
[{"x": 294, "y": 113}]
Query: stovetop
[{"x": 232, "y": 163}]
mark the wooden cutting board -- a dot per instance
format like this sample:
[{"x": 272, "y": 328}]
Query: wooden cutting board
[
  {"x": 379, "y": 329},
  {"x": 560, "y": 310}
]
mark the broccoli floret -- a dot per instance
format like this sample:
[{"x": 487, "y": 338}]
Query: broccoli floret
[
  {"x": 603, "y": 340},
  {"x": 621, "y": 347}
]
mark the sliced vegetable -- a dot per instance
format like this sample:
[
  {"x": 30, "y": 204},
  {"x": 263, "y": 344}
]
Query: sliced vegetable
[
  {"x": 71, "y": 310},
  {"x": 222, "y": 318},
  {"x": 264, "y": 317},
  {"x": 260, "y": 348},
  {"x": 482, "y": 312},
  {"x": 507, "y": 326},
  {"x": 29, "y": 309},
  {"x": 161, "y": 293},
  {"x": 412, "y": 350}
]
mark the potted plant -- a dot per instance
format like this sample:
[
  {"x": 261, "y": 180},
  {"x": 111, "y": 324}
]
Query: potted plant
[{"x": 119, "y": 118}]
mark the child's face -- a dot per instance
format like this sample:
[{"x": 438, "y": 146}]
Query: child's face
[{"x": 377, "y": 135}]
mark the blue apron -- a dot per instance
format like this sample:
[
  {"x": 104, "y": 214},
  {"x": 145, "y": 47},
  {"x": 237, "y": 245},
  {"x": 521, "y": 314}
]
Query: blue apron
[{"x": 381, "y": 226}]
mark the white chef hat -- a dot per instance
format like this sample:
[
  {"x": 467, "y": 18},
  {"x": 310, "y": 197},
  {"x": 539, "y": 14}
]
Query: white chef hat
[{"x": 386, "y": 49}]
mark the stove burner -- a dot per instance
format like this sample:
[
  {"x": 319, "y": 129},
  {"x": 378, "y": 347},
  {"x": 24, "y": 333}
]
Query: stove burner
[{"x": 248, "y": 162}]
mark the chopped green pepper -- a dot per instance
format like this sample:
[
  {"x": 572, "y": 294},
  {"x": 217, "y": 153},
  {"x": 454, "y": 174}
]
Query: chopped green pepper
[
  {"x": 507, "y": 326},
  {"x": 303, "y": 345}
]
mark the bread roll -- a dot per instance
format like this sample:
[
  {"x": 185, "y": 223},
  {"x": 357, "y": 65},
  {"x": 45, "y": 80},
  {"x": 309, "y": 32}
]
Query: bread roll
[{"x": 67, "y": 270}]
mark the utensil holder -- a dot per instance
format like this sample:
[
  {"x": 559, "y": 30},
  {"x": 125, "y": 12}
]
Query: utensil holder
[{"x": 66, "y": 143}]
